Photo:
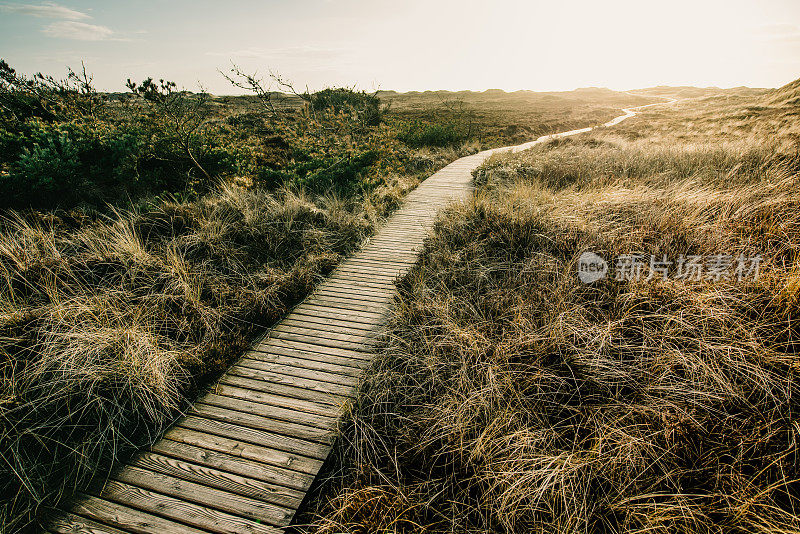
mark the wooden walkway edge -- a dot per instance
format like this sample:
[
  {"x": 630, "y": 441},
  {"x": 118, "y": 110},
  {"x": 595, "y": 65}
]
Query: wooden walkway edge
[{"x": 244, "y": 456}]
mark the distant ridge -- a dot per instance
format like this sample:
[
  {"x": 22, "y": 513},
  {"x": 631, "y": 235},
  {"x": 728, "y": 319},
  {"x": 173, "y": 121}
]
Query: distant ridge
[
  {"x": 788, "y": 95},
  {"x": 499, "y": 92},
  {"x": 687, "y": 91}
]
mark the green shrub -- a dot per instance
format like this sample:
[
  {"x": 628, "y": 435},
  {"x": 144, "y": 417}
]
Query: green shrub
[
  {"x": 345, "y": 176},
  {"x": 421, "y": 134},
  {"x": 366, "y": 107},
  {"x": 68, "y": 164}
]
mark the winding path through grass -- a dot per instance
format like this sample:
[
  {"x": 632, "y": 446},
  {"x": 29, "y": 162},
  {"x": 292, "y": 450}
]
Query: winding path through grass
[{"x": 244, "y": 456}]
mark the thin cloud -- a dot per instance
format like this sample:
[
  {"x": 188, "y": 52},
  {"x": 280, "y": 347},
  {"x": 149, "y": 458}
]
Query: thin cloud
[
  {"x": 68, "y": 23},
  {"x": 80, "y": 31},
  {"x": 48, "y": 10}
]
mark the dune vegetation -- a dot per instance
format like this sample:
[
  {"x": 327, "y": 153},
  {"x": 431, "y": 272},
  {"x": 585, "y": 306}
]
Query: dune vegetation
[
  {"x": 148, "y": 237},
  {"x": 512, "y": 397}
]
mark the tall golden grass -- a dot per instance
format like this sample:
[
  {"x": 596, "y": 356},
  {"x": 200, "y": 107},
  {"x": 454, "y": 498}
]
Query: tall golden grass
[
  {"x": 511, "y": 397},
  {"x": 109, "y": 325}
]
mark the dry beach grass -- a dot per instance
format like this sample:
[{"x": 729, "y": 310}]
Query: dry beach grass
[
  {"x": 511, "y": 397},
  {"x": 109, "y": 327},
  {"x": 113, "y": 317}
]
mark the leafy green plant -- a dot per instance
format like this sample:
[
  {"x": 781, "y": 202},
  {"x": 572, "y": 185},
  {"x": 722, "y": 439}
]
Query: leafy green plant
[
  {"x": 364, "y": 107},
  {"x": 419, "y": 134},
  {"x": 63, "y": 165},
  {"x": 183, "y": 114},
  {"x": 345, "y": 176},
  {"x": 45, "y": 97}
]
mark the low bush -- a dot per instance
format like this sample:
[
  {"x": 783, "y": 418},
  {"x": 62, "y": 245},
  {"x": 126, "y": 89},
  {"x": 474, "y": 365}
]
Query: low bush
[
  {"x": 365, "y": 107},
  {"x": 91, "y": 164},
  {"x": 419, "y": 134}
]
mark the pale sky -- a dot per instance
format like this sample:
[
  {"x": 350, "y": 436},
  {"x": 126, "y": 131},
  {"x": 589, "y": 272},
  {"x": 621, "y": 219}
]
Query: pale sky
[{"x": 412, "y": 45}]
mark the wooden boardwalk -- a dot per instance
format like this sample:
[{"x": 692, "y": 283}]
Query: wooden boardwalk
[
  {"x": 242, "y": 460},
  {"x": 244, "y": 456}
]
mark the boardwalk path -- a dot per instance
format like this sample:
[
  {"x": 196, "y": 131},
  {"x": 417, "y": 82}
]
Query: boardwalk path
[{"x": 243, "y": 458}]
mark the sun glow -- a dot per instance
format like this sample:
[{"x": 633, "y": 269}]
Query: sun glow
[{"x": 416, "y": 45}]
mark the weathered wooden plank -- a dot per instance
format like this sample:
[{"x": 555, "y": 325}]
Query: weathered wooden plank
[
  {"x": 355, "y": 295},
  {"x": 409, "y": 226},
  {"x": 74, "y": 524},
  {"x": 404, "y": 235},
  {"x": 300, "y": 319},
  {"x": 398, "y": 237},
  {"x": 389, "y": 249},
  {"x": 127, "y": 518},
  {"x": 288, "y": 438},
  {"x": 308, "y": 308},
  {"x": 385, "y": 281},
  {"x": 366, "y": 320},
  {"x": 238, "y": 484},
  {"x": 245, "y": 443},
  {"x": 185, "y": 490},
  {"x": 301, "y": 372},
  {"x": 388, "y": 252},
  {"x": 327, "y": 328},
  {"x": 346, "y": 277},
  {"x": 177, "y": 509},
  {"x": 290, "y": 403},
  {"x": 325, "y": 396},
  {"x": 340, "y": 287},
  {"x": 389, "y": 272},
  {"x": 383, "y": 269},
  {"x": 305, "y": 363},
  {"x": 414, "y": 217},
  {"x": 359, "y": 286},
  {"x": 316, "y": 314},
  {"x": 330, "y": 332},
  {"x": 350, "y": 369},
  {"x": 362, "y": 280},
  {"x": 271, "y": 474},
  {"x": 300, "y": 427},
  {"x": 348, "y": 304},
  {"x": 325, "y": 339},
  {"x": 387, "y": 287},
  {"x": 307, "y": 350},
  {"x": 319, "y": 339},
  {"x": 388, "y": 243},
  {"x": 335, "y": 391},
  {"x": 368, "y": 261},
  {"x": 393, "y": 241},
  {"x": 376, "y": 253}
]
